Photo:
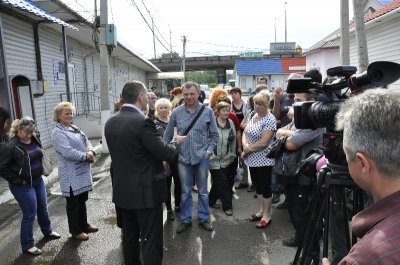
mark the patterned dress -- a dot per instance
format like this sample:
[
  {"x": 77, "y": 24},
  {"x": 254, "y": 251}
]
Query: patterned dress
[{"x": 253, "y": 133}]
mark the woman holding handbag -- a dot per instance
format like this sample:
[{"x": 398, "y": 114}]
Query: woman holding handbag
[
  {"x": 75, "y": 153},
  {"x": 21, "y": 166}
]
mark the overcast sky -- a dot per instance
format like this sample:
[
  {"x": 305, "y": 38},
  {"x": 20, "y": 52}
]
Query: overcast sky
[{"x": 219, "y": 27}]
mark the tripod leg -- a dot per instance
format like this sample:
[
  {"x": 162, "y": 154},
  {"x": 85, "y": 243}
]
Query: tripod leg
[
  {"x": 346, "y": 219},
  {"x": 313, "y": 216},
  {"x": 326, "y": 228}
]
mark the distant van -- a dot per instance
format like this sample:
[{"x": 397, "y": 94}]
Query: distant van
[{"x": 232, "y": 82}]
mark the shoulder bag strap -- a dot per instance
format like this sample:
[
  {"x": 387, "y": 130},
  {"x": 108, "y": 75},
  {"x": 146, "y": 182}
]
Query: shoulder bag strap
[{"x": 194, "y": 120}]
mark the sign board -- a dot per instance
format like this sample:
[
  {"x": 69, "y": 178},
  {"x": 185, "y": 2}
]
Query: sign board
[
  {"x": 282, "y": 48},
  {"x": 251, "y": 54},
  {"x": 297, "y": 68}
]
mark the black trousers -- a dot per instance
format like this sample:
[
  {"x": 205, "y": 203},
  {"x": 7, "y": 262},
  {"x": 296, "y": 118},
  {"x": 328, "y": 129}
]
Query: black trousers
[
  {"x": 177, "y": 188},
  {"x": 298, "y": 197},
  {"x": 146, "y": 224},
  {"x": 220, "y": 188},
  {"x": 232, "y": 173},
  {"x": 261, "y": 180},
  {"x": 76, "y": 212}
]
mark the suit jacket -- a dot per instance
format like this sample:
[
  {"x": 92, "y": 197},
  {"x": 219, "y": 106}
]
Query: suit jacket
[{"x": 137, "y": 152}]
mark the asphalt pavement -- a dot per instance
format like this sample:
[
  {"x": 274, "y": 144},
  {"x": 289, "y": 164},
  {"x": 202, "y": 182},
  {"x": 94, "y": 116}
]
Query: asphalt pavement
[{"x": 235, "y": 240}]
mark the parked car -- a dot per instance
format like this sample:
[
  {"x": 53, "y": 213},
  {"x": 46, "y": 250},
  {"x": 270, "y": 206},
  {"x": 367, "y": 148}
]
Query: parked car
[{"x": 228, "y": 88}]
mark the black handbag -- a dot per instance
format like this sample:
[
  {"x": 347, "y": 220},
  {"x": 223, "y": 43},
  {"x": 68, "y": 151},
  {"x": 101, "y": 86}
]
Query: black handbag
[
  {"x": 276, "y": 148},
  {"x": 287, "y": 166}
]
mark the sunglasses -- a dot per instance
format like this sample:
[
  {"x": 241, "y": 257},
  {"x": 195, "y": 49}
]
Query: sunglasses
[{"x": 25, "y": 122}]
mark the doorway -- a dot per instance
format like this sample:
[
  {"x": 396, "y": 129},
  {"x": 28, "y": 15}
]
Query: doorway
[{"x": 22, "y": 97}]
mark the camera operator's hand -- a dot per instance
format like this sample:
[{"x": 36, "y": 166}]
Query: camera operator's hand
[
  {"x": 325, "y": 261},
  {"x": 283, "y": 132}
]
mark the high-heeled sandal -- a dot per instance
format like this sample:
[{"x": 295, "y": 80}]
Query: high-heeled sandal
[{"x": 264, "y": 224}]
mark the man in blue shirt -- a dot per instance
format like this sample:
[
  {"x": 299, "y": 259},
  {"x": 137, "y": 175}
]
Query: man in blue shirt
[{"x": 194, "y": 154}]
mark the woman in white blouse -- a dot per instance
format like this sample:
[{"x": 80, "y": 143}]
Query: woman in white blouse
[{"x": 256, "y": 137}]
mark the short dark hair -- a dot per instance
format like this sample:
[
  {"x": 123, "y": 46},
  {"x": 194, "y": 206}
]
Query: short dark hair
[
  {"x": 4, "y": 117},
  {"x": 223, "y": 98},
  {"x": 314, "y": 74},
  {"x": 235, "y": 89},
  {"x": 131, "y": 91},
  {"x": 263, "y": 78}
]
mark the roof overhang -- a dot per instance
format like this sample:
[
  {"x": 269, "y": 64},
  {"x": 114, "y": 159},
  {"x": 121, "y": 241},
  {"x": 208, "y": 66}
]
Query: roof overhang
[
  {"x": 166, "y": 75},
  {"x": 34, "y": 12},
  {"x": 85, "y": 31}
]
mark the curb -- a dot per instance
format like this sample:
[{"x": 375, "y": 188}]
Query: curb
[{"x": 48, "y": 181}]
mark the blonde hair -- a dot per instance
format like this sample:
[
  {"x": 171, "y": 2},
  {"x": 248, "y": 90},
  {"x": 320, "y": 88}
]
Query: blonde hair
[
  {"x": 262, "y": 99},
  {"x": 162, "y": 102},
  {"x": 64, "y": 105},
  {"x": 26, "y": 124}
]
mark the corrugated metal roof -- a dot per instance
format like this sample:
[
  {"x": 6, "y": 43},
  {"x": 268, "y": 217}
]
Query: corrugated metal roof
[
  {"x": 259, "y": 67},
  {"x": 32, "y": 8}
]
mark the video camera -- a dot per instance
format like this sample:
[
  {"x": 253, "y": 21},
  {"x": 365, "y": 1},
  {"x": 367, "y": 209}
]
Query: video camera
[{"x": 313, "y": 115}]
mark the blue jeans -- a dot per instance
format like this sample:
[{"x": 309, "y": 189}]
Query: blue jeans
[
  {"x": 186, "y": 174},
  {"x": 32, "y": 201}
]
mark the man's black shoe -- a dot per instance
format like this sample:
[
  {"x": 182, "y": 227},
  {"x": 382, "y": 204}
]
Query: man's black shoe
[
  {"x": 250, "y": 189},
  {"x": 291, "y": 242},
  {"x": 206, "y": 225},
  {"x": 281, "y": 206},
  {"x": 241, "y": 186},
  {"x": 183, "y": 226},
  {"x": 276, "y": 198}
]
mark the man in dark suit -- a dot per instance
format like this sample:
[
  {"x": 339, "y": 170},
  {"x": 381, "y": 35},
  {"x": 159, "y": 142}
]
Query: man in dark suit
[{"x": 139, "y": 185}]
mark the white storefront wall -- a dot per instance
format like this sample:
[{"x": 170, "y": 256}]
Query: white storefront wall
[
  {"x": 383, "y": 40},
  {"x": 21, "y": 60},
  {"x": 323, "y": 60}
]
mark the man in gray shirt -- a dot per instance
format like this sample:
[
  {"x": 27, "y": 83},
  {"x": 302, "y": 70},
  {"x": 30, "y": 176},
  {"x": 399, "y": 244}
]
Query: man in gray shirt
[{"x": 193, "y": 161}]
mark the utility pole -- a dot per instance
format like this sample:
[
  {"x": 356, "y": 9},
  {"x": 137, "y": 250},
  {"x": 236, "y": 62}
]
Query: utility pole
[
  {"x": 105, "y": 104},
  {"x": 154, "y": 36},
  {"x": 344, "y": 33},
  {"x": 285, "y": 26},
  {"x": 275, "y": 29},
  {"x": 361, "y": 39},
  {"x": 183, "y": 58},
  {"x": 170, "y": 42}
]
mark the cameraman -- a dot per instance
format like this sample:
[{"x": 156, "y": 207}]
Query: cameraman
[
  {"x": 370, "y": 124},
  {"x": 302, "y": 140}
]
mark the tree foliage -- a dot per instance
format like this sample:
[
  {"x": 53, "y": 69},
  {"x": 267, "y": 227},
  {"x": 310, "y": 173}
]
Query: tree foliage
[{"x": 175, "y": 55}]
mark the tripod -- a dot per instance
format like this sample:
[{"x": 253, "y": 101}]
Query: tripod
[{"x": 333, "y": 176}]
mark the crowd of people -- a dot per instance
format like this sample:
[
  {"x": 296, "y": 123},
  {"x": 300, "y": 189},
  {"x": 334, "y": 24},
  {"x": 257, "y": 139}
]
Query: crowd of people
[{"x": 161, "y": 147}]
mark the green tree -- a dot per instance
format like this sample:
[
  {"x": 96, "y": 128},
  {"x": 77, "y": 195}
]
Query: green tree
[
  {"x": 175, "y": 55},
  {"x": 202, "y": 77}
]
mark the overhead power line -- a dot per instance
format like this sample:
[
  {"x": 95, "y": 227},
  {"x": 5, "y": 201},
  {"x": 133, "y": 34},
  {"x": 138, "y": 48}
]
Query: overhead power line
[
  {"x": 223, "y": 45},
  {"x": 133, "y": 3}
]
